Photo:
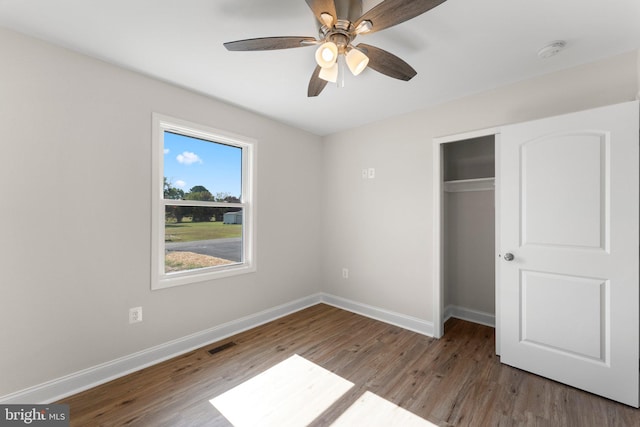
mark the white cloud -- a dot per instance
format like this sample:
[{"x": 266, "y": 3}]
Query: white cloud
[
  {"x": 188, "y": 158},
  {"x": 166, "y": 151},
  {"x": 180, "y": 183}
]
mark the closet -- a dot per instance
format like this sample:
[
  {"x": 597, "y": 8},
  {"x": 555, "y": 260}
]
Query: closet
[
  {"x": 468, "y": 202},
  {"x": 555, "y": 243}
]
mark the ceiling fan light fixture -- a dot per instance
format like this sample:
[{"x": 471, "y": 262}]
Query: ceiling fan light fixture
[
  {"x": 327, "y": 54},
  {"x": 329, "y": 74},
  {"x": 327, "y": 19},
  {"x": 356, "y": 61}
]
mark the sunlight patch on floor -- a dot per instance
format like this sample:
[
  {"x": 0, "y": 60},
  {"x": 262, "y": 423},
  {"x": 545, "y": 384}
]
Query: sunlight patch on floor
[
  {"x": 296, "y": 391},
  {"x": 290, "y": 394},
  {"x": 372, "y": 410}
]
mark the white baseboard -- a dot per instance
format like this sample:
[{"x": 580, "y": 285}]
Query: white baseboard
[
  {"x": 407, "y": 322},
  {"x": 474, "y": 316},
  {"x": 68, "y": 385}
]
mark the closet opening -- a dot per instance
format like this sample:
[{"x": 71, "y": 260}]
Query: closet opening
[{"x": 465, "y": 230}]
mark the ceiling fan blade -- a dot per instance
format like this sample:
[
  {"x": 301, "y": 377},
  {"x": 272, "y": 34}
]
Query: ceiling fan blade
[
  {"x": 393, "y": 12},
  {"x": 323, "y": 6},
  {"x": 387, "y": 63},
  {"x": 270, "y": 43},
  {"x": 316, "y": 84}
]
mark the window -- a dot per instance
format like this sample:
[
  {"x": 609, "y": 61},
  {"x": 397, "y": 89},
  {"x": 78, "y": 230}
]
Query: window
[{"x": 203, "y": 203}]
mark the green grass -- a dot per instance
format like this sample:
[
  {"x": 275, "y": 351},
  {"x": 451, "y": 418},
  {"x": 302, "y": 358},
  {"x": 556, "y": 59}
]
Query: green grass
[{"x": 191, "y": 231}]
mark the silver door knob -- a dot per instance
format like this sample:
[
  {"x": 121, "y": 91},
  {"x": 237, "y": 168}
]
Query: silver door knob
[{"x": 508, "y": 256}]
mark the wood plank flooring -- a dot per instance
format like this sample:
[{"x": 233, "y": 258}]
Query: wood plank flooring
[{"x": 455, "y": 381}]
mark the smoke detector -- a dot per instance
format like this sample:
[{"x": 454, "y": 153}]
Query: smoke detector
[{"x": 552, "y": 49}]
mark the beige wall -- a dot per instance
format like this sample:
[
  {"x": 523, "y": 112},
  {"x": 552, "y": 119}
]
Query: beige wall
[
  {"x": 382, "y": 229},
  {"x": 75, "y": 241}
]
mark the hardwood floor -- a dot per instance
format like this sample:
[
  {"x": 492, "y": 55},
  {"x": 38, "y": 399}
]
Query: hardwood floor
[{"x": 454, "y": 381}]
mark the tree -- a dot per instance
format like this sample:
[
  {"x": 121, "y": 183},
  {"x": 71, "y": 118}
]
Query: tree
[
  {"x": 226, "y": 197},
  {"x": 173, "y": 193},
  {"x": 200, "y": 214},
  {"x": 198, "y": 189}
]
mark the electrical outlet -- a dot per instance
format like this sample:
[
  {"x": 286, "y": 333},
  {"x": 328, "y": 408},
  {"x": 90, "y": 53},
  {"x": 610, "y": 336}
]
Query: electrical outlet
[
  {"x": 372, "y": 173},
  {"x": 345, "y": 273},
  {"x": 135, "y": 315}
]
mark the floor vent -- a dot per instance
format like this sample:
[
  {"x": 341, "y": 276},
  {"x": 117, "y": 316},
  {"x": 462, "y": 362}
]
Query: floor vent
[{"x": 219, "y": 348}]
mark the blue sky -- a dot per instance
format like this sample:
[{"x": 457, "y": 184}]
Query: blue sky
[{"x": 189, "y": 162}]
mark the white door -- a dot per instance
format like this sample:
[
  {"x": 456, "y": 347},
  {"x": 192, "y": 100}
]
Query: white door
[{"x": 568, "y": 210}]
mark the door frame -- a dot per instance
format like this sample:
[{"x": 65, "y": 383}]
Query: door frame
[{"x": 438, "y": 226}]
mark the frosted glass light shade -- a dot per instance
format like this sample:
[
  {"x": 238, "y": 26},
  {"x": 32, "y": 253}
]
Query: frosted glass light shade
[
  {"x": 327, "y": 19},
  {"x": 356, "y": 61},
  {"x": 327, "y": 54},
  {"x": 329, "y": 74}
]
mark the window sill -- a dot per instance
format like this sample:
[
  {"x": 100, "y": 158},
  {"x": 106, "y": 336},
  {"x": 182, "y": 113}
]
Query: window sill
[{"x": 194, "y": 276}]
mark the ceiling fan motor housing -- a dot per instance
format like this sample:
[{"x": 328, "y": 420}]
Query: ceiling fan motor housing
[{"x": 339, "y": 34}]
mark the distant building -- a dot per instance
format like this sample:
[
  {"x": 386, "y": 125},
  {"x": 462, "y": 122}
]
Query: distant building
[{"x": 232, "y": 218}]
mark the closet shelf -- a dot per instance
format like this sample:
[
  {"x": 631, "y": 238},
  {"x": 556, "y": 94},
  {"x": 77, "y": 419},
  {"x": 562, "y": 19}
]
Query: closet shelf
[{"x": 478, "y": 184}]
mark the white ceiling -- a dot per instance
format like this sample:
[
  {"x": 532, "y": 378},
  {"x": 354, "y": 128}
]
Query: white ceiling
[{"x": 458, "y": 48}]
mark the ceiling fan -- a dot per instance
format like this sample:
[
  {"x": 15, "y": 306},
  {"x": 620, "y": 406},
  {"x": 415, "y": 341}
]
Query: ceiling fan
[{"x": 341, "y": 21}]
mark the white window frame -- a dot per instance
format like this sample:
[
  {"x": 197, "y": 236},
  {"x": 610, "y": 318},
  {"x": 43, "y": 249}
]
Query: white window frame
[{"x": 162, "y": 280}]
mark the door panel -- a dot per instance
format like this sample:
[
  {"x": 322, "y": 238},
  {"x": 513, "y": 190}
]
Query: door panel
[
  {"x": 547, "y": 209},
  {"x": 568, "y": 190},
  {"x": 576, "y": 307}
]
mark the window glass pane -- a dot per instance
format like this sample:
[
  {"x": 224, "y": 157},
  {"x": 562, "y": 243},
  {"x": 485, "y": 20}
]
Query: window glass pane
[
  {"x": 199, "y": 237},
  {"x": 196, "y": 169}
]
